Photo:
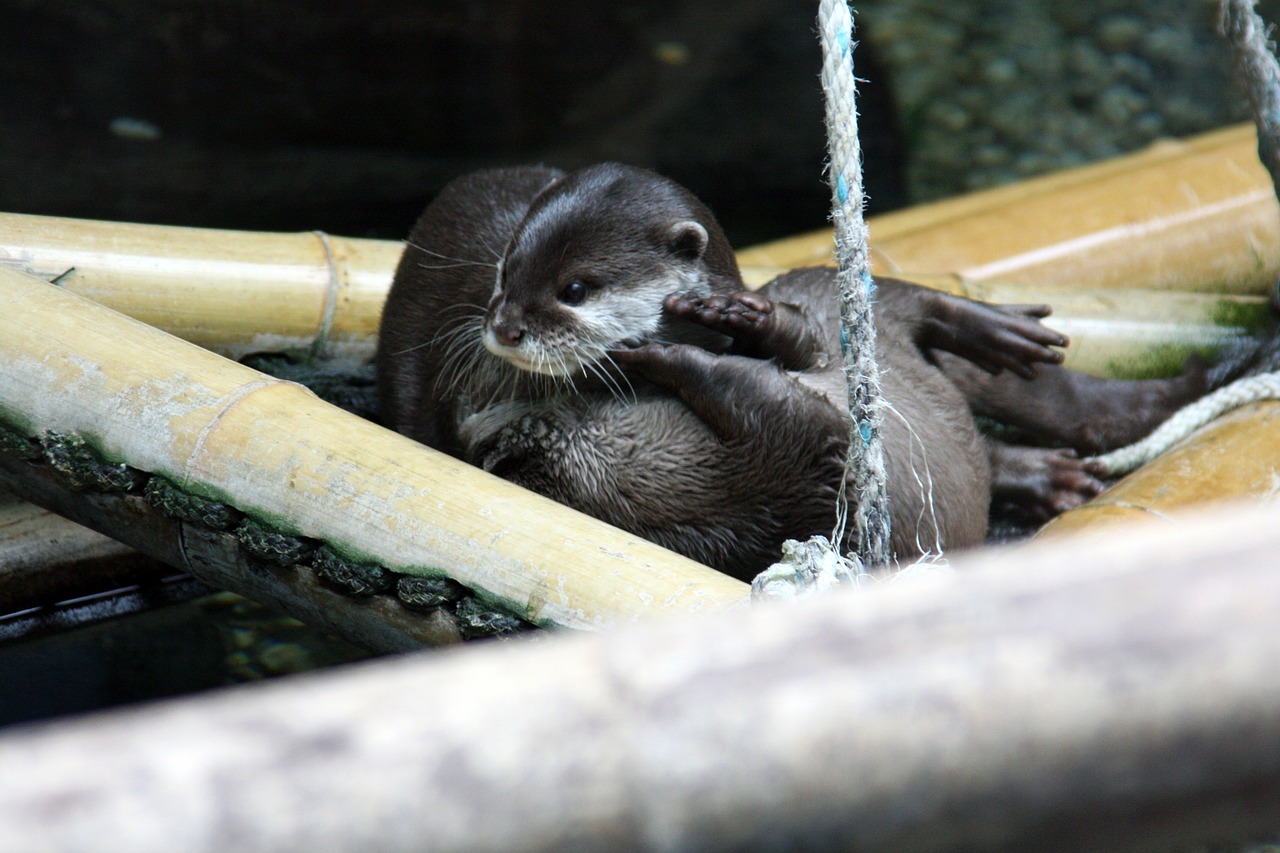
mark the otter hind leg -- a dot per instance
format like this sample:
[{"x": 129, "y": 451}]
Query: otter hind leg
[
  {"x": 993, "y": 337},
  {"x": 1042, "y": 482},
  {"x": 759, "y": 326}
]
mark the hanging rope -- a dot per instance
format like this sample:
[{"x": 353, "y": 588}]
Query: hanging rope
[
  {"x": 814, "y": 566},
  {"x": 864, "y": 465},
  {"x": 1259, "y": 74}
]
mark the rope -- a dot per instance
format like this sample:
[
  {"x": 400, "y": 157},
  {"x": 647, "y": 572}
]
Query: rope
[
  {"x": 865, "y": 465},
  {"x": 812, "y": 567},
  {"x": 1188, "y": 419},
  {"x": 1259, "y": 73}
]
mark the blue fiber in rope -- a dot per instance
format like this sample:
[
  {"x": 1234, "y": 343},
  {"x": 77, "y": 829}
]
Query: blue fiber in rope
[{"x": 842, "y": 189}]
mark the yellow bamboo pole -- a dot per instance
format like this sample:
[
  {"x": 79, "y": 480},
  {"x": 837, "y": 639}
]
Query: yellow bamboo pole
[
  {"x": 1236, "y": 456},
  {"x": 276, "y": 452},
  {"x": 1195, "y": 215},
  {"x": 235, "y": 292}
]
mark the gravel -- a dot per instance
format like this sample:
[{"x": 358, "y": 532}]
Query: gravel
[{"x": 993, "y": 91}]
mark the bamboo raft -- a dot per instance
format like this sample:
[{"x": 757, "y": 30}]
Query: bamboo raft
[{"x": 1145, "y": 258}]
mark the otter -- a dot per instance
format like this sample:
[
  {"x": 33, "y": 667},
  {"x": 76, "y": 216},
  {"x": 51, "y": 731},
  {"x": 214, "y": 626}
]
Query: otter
[{"x": 588, "y": 335}]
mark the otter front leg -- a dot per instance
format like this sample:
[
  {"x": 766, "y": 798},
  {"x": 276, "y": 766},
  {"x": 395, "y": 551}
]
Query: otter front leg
[
  {"x": 759, "y": 326},
  {"x": 738, "y": 397}
]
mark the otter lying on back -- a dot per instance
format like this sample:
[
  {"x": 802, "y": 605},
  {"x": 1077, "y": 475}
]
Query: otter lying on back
[{"x": 586, "y": 336}]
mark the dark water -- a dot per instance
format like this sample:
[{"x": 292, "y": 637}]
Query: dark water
[{"x": 129, "y": 646}]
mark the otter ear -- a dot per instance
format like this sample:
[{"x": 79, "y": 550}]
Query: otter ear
[{"x": 688, "y": 239}]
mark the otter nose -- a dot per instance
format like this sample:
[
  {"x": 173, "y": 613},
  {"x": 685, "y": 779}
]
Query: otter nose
[{"x": 508, "y": 334}]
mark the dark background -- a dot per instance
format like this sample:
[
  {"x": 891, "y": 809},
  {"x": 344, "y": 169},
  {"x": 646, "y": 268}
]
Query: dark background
[{"x": 347, "y": 117}]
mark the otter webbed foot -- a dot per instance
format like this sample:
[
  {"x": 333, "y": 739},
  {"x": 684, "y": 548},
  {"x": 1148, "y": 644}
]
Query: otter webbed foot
[
  {"x": 994, "y": 337},
  {"x": 1041, "y": 483},
  {"x": 759, "y": 326}
]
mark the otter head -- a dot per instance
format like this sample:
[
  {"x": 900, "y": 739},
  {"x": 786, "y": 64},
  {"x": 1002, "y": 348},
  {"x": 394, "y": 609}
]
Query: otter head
[{"x": 589, "y": 266}]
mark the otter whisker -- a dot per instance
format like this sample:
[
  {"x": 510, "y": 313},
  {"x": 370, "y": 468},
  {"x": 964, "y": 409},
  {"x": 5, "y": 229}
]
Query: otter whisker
[
  {"x": 614, "y": 380},
  {"x": 455, "y": 262}
]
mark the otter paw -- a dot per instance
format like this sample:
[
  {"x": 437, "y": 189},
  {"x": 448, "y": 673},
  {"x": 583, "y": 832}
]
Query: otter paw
[
  {"x": 1042, "y": 483},
  {"x": 994, "y": 337},
  {"x": 730, "y": 314}
]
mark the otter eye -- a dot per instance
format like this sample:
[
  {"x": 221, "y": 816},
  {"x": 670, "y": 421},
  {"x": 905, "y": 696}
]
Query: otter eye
[{"x": 573, "y": 293}]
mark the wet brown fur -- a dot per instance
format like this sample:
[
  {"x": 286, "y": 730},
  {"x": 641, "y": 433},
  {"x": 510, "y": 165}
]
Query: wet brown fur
[{"x": 713, "y": 440}]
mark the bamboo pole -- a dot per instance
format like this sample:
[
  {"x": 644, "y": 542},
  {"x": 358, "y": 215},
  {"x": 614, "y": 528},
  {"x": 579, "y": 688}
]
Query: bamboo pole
[
  {"x": 1197, "y": 215},
  {"x": 235, "y": 292},
  {"x": 276, "y": 301},
  {"x": 277, "y": 453},
  {"x": 1116, "y": 693},
  {"x": 45, "y": 558}
]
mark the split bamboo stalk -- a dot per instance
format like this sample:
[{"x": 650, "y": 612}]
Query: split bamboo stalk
[
  {"x": 1198, "y": 215},
  {"x": 1106, "y": 694},
  {"x": 1236, "y": 456},
  {"x": 378, "y": 623},
  {"x": 235, "y": 292},
  {"x": 276, "y": 452}
]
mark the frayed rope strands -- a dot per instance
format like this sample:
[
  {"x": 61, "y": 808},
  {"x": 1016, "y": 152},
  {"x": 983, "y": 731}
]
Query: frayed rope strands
[{"x": 1259, "y": 74}]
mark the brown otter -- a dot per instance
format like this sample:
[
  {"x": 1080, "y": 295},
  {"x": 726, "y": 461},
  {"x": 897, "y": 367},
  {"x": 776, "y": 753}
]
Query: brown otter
[{"x": 585, "y": 335}]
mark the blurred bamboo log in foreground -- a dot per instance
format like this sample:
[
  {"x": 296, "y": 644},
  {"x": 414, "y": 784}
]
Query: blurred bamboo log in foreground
[
  {"x": 282, "y": 457},
  {"x": 1113, "y": 693}
]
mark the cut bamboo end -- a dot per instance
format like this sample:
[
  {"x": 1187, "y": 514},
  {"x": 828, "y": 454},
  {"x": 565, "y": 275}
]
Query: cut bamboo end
[
  {"x": 276, "y": 452},
  {"x": 1194, "y": 215},
  {"x": 1235, "y": 457},
  {"x": 235, "y": 292}
]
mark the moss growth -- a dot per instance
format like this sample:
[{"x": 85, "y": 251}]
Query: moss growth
[
  {"x": 477, "y": 619},
  {"x": 1155, "y": 362},
  {"x": 15, "y": 444},
  {"x": 428, "y": 593}
]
